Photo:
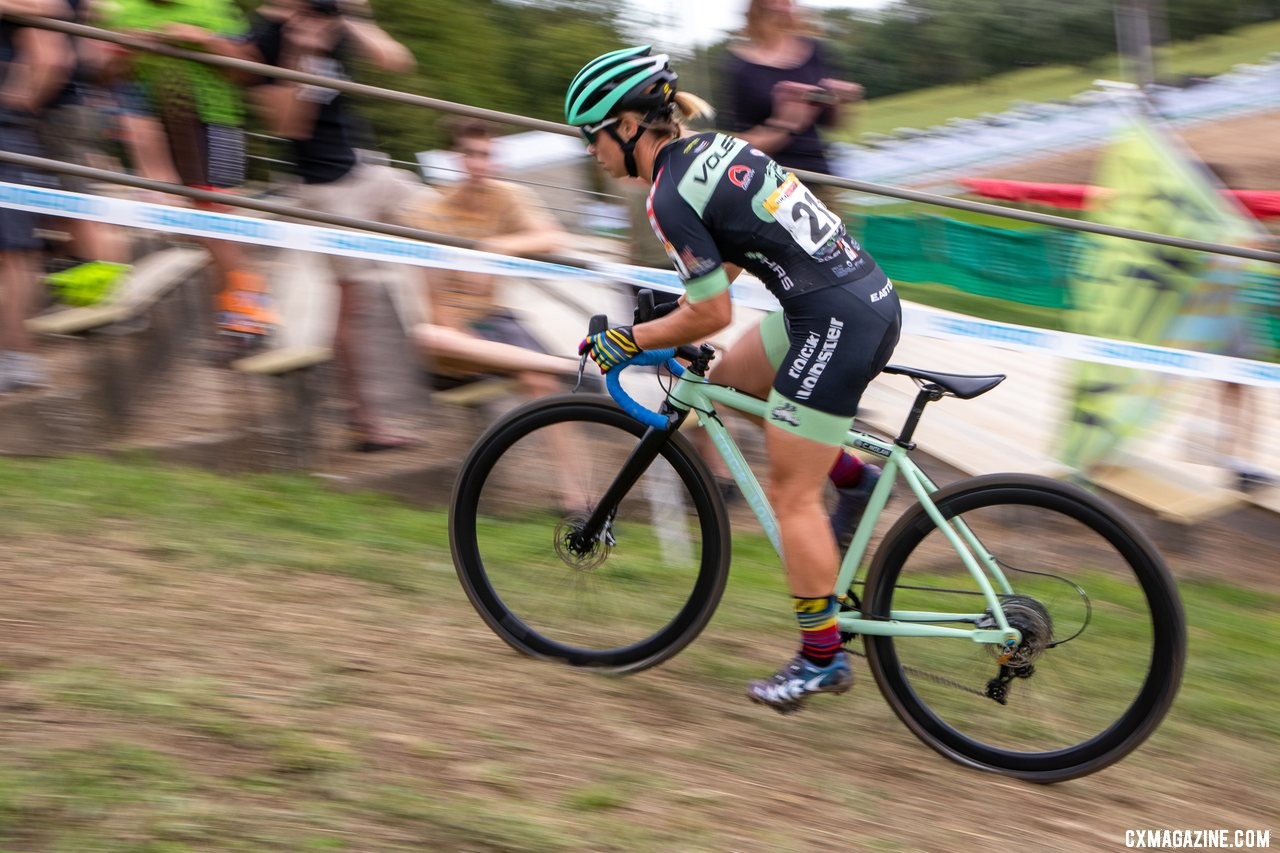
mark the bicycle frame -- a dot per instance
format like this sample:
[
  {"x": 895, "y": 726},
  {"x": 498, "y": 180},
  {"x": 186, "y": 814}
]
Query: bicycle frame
[{"x": 696, "y": 394}]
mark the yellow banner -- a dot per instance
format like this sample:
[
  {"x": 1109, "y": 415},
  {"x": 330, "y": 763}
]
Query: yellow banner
[{"x": 1143, "y": 292}]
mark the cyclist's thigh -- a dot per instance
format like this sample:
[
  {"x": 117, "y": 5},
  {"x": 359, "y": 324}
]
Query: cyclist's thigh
[{"x": 746, "y": 364}]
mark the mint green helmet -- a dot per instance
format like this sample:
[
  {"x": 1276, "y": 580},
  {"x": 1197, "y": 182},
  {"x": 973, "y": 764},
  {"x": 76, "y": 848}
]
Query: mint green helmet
[{"x": 627, "y": 79}]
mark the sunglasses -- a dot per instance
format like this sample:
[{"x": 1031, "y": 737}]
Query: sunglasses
[{"x": 589, "y": 131}]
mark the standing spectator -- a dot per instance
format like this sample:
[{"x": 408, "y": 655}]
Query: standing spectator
[
  {"x": 66, "y": 130},
  {"x": 470, "y": 333},
  {"x": 34, "y": 66},
  {"x": 777, "y": 89},
  {"x": 321, "y": 37},
  {"x": 202, "y": 113}
]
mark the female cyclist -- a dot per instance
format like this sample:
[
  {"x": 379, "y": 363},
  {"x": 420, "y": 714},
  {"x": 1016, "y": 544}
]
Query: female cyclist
[{"x": 719, "y": 206}]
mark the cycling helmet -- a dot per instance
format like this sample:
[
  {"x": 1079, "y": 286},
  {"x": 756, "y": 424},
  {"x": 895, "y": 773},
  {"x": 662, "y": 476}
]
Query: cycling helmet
[{"x": 628, "y": 79}]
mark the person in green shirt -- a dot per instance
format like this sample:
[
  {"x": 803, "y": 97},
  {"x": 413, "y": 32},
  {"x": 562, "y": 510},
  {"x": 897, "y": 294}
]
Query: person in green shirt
[{"x": 201, "y": 112}]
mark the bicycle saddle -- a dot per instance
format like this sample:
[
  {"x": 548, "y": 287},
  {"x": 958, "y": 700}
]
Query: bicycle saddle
[{"x": 964, "y": 387}]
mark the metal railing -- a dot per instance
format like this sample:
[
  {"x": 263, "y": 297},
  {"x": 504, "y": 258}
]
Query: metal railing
[{"x": 379, "y": 93}]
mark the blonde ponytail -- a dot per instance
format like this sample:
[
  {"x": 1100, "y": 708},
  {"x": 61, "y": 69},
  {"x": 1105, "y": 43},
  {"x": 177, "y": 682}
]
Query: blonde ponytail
[{"x": 692, "y": 107}]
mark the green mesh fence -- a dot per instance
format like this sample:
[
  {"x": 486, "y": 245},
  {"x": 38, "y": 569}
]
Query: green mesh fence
[{"x": 1027, "y": 266}]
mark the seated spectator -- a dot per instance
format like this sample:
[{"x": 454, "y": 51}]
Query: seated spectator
[
  {"x": 471, "y": 333},
  {"x": 201, "y": 111},
  {"x": 35, "y": 65},
  {"x": 321, "y": 37}
]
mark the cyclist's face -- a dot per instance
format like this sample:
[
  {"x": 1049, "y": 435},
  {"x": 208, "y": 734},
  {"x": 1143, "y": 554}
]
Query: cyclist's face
[{"x": 606, "y": 150}]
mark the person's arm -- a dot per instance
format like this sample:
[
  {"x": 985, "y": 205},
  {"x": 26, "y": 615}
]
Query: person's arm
[
  {"x": 44, "y": 65},
  {"x": 197, "y": 38},
  {"x": 375, "y": 46},
  {"x": 791, "y": 114},
  {"x": 692, "y": 321},
  {"x": 532, "y": 230},
  {"x": 44, "y": 8}
]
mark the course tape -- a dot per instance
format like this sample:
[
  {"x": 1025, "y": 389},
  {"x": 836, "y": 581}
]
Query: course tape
[{"x": 748, "y": 292}]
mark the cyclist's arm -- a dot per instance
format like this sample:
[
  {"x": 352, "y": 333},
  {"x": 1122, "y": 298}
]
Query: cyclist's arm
[{"x": 694, "y": 320}]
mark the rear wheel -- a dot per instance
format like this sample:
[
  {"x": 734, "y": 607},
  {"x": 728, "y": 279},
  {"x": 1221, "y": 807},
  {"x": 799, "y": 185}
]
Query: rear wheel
[
  {"x": 1104, "y": 638},
  {"x": 641, "y": 591}
]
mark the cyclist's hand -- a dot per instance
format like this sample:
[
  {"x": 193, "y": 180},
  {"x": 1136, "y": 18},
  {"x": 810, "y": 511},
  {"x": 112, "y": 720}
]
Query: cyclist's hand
[{"x": 610, "y": 348}]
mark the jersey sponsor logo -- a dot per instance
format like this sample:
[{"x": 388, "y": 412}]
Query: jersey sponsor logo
[
  {"x": 694, "y": 265},
  {"x": 778, "y": 269},
  {"x": 786, "y": 414},
  {"x": 806, "y": 352},
  {"x": 863, "y": 444},
  {"x": 820, "y": 359},
  {"x": 696, "y": 146},
  {"x": 882, "y": 293},
  {"x": 741, "y": 175},
  {"x": 708, "y": 166}
]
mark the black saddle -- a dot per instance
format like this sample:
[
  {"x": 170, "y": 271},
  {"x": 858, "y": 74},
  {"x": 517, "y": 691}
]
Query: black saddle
[{"x": 964, "y": 387}]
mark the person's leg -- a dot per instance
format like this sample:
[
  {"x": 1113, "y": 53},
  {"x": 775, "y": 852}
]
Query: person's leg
[
  {"x": 17, "y": 275},
  {"x": 749, "y": 365},
  {"x": 17, "y": 298},
  {"x": 798, "y": 471},
  {"x": 455, "y": 346}
]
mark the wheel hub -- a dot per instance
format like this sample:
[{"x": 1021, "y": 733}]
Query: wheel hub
[
  {"x": 578, "y": 553},
  {"x": 1032, "y": 620}
]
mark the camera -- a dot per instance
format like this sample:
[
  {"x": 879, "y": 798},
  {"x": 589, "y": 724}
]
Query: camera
[
  {"x": 821, "y": 96},
  {"x": 327, "y": 8}
]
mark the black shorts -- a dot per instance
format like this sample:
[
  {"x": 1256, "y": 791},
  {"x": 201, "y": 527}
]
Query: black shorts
[
  {"x": 827, "y": 346},
  {"x": 18, "y": 227}
]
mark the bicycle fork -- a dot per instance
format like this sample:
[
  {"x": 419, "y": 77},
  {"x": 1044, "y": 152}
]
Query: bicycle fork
[{"x": 599, "y": 524}]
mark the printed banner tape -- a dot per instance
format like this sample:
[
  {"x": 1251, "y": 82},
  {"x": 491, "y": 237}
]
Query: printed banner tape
[{"x": 749, "y": 292}]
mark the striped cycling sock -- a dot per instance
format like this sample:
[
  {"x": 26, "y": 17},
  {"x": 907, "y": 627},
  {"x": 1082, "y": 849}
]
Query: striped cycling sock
[{"x": 819, "y": 635}]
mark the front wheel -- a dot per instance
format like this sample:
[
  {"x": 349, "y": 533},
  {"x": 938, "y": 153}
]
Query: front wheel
[
  {"x": 646, "y": 586},
  {"x": 1103, "y": 634}
]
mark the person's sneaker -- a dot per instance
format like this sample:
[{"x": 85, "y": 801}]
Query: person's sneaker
[
  {"x": 850, "y": 504},
  {"x": 244, "y": 306},
  {"x": 787, "y": 689}
]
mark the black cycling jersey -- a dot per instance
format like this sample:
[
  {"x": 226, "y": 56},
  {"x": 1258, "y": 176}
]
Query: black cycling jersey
[{"x": 717, "y": 199}]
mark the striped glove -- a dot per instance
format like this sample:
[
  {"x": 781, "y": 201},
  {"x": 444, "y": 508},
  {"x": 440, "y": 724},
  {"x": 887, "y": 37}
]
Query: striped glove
[{"x": 610, "y": 348}]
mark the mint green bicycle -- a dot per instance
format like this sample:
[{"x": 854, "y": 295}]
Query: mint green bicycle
[{"x": 1015, "y": 623}]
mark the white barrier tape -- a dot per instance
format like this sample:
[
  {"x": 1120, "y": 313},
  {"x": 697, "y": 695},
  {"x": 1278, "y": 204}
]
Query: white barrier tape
[{"x": 749, "y": 292}]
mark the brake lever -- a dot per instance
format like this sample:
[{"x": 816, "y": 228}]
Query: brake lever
[{"x": 599, "y": 322}]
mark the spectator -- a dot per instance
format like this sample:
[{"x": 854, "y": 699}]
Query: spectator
[
  {"x": 65, "y": 129},
  {"x": 777, "y": 89},
  {"x": 35, "y": 64},
  {"x": 470, "y": 333},
  {"x": 201, "y": 111},
  {"x": 321, "y": 37}
]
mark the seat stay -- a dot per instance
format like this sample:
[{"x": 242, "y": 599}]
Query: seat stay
[{"x": 964, "y": 386}]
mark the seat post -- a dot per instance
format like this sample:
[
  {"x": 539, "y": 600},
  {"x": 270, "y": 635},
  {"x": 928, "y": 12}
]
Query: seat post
[{"x": 929, "y": 393}]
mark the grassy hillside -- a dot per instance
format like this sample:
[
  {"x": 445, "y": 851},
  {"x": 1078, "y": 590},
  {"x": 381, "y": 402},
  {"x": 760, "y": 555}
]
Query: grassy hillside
[
  {"x": 1206, "y": 56},
  {"x": 197, "y": 663}
]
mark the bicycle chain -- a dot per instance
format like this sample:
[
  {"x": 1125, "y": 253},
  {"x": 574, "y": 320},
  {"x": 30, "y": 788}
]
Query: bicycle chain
[{"x": 938, "y": 679}]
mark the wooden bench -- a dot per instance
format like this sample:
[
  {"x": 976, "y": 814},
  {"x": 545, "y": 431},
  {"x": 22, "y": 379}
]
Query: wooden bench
[
  {"x": 152, "y": 289},
  {"x": 1170, "y": 495},
  {"x": 475, "y": 394},
  {"x": 295, "y": 419},
  {"x": 151, "y": 279}
]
